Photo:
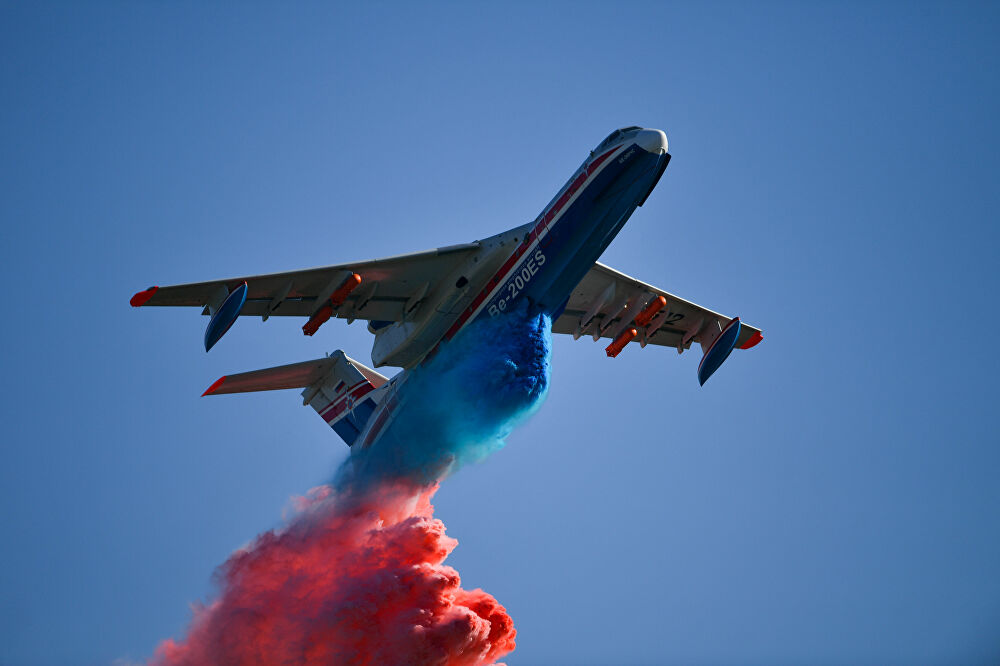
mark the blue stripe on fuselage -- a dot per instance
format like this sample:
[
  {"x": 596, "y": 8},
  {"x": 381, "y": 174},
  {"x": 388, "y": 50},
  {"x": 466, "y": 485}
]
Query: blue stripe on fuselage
[{"x": 549, "y": 272}]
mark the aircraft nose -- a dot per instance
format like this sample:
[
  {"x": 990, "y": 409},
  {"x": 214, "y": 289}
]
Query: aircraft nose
[{"x": 652, "y": 141}]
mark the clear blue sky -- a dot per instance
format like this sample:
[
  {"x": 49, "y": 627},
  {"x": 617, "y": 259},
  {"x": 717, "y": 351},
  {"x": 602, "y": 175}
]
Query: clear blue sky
[{"x": 829, "y": 497}]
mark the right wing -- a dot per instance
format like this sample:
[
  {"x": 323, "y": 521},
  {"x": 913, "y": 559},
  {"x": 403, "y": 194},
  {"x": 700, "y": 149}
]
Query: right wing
[
  {"x": 609, "y": 304},
  {"x": 389, "y": 290}
]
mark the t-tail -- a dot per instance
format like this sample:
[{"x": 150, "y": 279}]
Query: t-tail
[{"x": 344, "y": 392}]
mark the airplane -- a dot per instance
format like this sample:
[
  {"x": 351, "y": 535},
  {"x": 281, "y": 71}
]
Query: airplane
[{"x": 414, "y": 303}]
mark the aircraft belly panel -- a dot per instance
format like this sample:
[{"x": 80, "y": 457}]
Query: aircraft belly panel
[{"x": 405, "y": 343}]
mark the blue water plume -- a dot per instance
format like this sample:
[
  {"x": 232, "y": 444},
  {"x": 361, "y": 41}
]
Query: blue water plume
[{"x": 460, "y": 405}]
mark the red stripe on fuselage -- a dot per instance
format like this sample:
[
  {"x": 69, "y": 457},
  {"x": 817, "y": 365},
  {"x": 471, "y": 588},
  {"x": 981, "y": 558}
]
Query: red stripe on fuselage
[
  {"x": 597, "y": 162},
  {"x": 708, "y": 351},
  {"x": 379, "y": 422},
  {"x": 522, "y": 248}
]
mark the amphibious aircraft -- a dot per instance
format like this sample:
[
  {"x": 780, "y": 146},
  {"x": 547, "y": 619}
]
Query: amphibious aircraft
[{"x": 414, "y": 303}]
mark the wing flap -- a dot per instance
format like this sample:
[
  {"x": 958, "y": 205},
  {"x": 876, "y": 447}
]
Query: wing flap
[{"x": 382, "y": 309}]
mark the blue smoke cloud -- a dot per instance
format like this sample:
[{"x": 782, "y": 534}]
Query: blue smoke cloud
[{"x": 459, "y": 406}]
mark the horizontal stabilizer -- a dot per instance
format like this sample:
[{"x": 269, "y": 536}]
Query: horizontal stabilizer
[
  {"x": 294, "y": 375},
  {"x": 344, "y": 392}
]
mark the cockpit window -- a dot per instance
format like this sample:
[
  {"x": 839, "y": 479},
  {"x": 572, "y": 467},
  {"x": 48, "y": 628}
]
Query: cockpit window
[
  {"x": 616, "y": 135},
  {"x": 608, "y": 141}
]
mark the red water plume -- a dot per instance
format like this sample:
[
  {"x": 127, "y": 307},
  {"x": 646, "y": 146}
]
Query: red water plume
[{"x": 349, "y": 580}]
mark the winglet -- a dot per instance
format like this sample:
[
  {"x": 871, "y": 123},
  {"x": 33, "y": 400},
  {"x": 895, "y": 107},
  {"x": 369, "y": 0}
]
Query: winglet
[
  {"x": 140, "y": 298},
  {"x": 214, "y": 387},
  {"x": 753, "y": 341}
]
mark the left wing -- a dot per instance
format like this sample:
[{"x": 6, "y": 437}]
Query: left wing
[
  {"x": 379, "y": 289},
  {"x": 610, "y": 304}
]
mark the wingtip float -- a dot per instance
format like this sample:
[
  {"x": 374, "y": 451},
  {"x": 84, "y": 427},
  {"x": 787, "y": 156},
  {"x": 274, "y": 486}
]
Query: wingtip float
[
  {"x": 224, "y": 317},
  {"x": 719, "y": 351}
]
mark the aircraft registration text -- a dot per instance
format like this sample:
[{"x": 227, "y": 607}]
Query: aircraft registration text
[{"x": 516, "y": 283}]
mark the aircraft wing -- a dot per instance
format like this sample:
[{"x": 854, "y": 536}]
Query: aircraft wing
[
  {"x": 388, "y": 289},
  {"x": 610, "y": 304}
]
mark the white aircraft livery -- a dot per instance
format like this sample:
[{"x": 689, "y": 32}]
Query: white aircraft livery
[{"x": 413, "y": 303}]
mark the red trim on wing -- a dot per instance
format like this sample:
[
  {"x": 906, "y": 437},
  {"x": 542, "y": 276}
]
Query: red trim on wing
[
  {"x": 214, "y": 387},
  {"x": 140, "y": 298},
  {"x": 753, "y": 341}
]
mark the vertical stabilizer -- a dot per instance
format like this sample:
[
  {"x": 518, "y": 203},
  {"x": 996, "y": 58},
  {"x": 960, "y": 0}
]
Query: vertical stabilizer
[{"x": 346, "y": 396}]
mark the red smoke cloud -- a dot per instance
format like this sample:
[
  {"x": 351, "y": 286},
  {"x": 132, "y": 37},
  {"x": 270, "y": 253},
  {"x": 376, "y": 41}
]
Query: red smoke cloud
[
  {"x": 357, "y": 576},
  {"x": 349, "y": 580}
]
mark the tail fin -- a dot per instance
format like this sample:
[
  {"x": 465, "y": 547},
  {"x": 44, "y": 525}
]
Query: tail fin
[{"x": 341, "y": 390}]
